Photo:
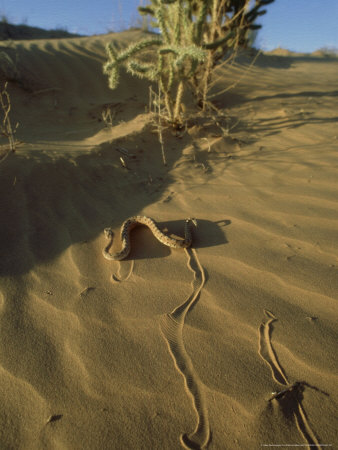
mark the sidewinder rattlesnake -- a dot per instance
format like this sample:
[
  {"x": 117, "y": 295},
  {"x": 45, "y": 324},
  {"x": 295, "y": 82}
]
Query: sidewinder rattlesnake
[{"x": 134, "y": 221}]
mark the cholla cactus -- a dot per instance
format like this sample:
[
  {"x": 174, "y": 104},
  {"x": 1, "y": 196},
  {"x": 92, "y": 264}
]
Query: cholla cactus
[{"x": 194, "y": 34}]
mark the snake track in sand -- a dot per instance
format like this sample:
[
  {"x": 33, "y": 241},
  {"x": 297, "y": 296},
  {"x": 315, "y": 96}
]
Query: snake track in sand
[{"x": 134, "y": 221}]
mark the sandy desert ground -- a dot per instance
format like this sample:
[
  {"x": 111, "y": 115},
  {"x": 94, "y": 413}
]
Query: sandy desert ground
[{"x": 231, "y": 344}]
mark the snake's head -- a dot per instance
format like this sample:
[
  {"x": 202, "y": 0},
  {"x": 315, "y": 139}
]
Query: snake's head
[
  {"x": 192, "y": 220},
  {"x": 108, "y": 232}
]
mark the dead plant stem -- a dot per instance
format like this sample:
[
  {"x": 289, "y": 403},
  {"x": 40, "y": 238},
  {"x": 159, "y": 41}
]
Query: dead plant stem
[{"x": 6, "y": 126}]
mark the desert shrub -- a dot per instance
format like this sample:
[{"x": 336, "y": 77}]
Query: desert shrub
[{"x": 194, "y": 35}]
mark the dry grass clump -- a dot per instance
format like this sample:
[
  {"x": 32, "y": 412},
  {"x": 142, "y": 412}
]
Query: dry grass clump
[
  {"x": 6, "y": 129},
  {"x": 8, "y": 68}
]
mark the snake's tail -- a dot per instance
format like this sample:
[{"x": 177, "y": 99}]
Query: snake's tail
[{"x": 117, "y": 278}]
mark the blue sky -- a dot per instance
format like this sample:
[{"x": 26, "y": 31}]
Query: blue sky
[{"x": 299, "y": 25}]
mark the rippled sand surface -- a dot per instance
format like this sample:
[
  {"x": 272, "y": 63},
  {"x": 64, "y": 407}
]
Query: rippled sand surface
[{"x": 231, "y": 344}]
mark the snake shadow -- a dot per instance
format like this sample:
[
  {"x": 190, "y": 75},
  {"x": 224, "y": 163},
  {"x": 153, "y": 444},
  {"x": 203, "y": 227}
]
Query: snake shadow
[{"x": 145, "y": 246}]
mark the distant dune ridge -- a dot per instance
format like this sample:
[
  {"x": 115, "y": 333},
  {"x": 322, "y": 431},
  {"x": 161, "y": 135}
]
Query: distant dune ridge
[
  {"x": 231, "y": 344},
  {"x": 9, "y": 31}
]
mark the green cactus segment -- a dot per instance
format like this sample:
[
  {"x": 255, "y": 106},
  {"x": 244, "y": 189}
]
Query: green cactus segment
[
  {"x": 136, "y": 48},
  {"x": 200, "y": 22},
  {"x": 142, "y": 70},
  {"x": 266, "y": 2},
  {"x": 111, "y": 67},
  {"x": 160, "y": 13},
  {"x": 219, "y": 42},
  {"x": 192, "y": 53},
  {"x": 254, "y": 13},
  {"x": 146, "y": 10},
  {"x": 255, "y": 26}
]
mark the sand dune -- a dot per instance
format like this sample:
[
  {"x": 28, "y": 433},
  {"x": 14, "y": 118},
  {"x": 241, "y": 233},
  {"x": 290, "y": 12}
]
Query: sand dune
[{"x": 229, "y": 345}]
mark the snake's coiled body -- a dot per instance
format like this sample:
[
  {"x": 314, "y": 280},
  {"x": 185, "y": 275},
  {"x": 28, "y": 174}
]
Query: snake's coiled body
[{"x": 134, "y": 221}]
